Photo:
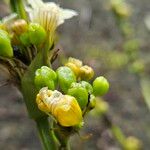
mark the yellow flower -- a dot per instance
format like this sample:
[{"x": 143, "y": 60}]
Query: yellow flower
[{"x": 64, "y": 108}]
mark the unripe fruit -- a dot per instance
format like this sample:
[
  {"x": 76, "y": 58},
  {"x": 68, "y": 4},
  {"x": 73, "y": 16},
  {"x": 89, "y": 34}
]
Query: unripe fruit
[
  {"x": 100, "y": 86},
  {"x": 37, "y": 34},
  {"x": 65, "y": 78},
  {"x": 80, "y": 93},
  {"x": 5, "y": 44},
  {"x": 45, "y": 77}
]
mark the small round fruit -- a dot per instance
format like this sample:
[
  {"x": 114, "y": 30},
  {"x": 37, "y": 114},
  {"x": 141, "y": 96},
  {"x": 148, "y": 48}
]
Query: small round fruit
[{"x": 100, "y": 86}]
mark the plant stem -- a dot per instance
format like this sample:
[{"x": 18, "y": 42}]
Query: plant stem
[
  {"x": 46, "y": 135},
  {"x": 17, "y": 6}
]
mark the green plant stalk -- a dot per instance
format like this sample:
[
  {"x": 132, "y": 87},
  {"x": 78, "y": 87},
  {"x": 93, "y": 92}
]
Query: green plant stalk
[
  {"x": 118, "y": 134},
  {"x": 46, "y": 136},
  {"x": 63, "y": 135},
  {"x": 17, "y": 6},
  {"x": 29, "y": 92},
  {"x": 116, "y": 131}
]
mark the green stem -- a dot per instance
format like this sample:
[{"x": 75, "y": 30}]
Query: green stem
[
  {"x": 118, "y": 134},
  {"x": 17, "y": 6},
  {"x": 46, "y": 135}
]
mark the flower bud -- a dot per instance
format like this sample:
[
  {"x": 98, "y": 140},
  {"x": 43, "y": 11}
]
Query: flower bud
[
  {"x": 65, "y": 78},
  {"x": 37, "y": 34},
  {"x": 100, "y": 86},
  {"x": 120, "y": 8},
  {"x": 86, "y": 72},
  {"x": 20, "y": 26},
  {"x": 92, "y": 102},
  {"x": 132, "y": 143},
  {"x": 100, "y": 108},
  {"x": 45, "y": 76},
  {"x": 64, "y": 108},
  {"x": 5, "y": 44},
  {"x": 24, "y": 38},
  {"x": 74, "y": 65},
  {"x": 2, "y": 26},
  {"x": 80, "y": 93},
  {"x": 87, "y": 86}
]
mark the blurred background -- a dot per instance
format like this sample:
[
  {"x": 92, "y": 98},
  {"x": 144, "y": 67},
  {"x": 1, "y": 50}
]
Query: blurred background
[{"x": 112, "y": 38}]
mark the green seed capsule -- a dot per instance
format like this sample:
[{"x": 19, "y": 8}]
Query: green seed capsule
[
  {"x": 87, "y": 86},
  {"x": 80, "y": 93},
  {"x": 5, "y": 45},
  {"x": 65, "y": 78},
  {"x": 100, "y": 86},
  {"x": 45, "y": 76},
  {"x": 37, "y": 34}
]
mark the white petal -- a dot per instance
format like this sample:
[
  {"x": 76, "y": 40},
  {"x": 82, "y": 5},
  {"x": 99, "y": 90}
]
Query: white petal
[
  {"x": 10, "y": 18},
  {"x": 66, "y": 14},
  {"x": 147, "y": 21}
]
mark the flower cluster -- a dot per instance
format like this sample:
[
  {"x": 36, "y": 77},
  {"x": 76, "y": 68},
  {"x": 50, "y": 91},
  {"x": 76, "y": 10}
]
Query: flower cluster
[
  {"x": 36, "y": 32},
  {"x": 76, "y": 97}
]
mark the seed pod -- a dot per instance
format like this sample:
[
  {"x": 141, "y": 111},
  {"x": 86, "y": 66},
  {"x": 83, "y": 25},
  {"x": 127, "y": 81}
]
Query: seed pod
[
  {"x": 64, "y": 108},
  {"x": 100, "y": 86},
  {"x": 65, "y": 78},
  {"x": 86, "y": 72},
  {"x": 45, "y": 76},
  {"x": 5, "y": 44},
  {"x": 80, "y": 93},
  {"x": 37, "y": 34}
]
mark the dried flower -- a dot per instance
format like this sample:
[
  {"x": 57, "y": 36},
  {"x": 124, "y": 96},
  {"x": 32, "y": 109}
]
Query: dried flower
[{"x": 63, "y": 108}]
